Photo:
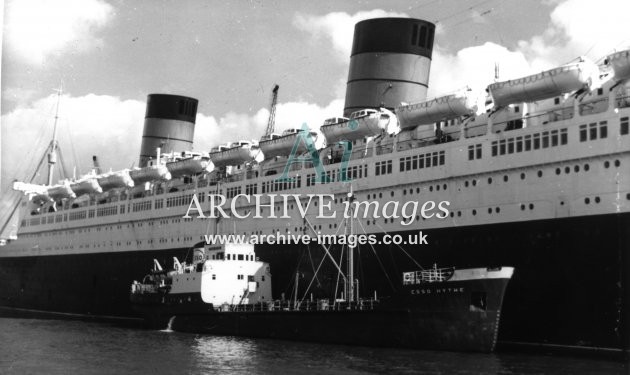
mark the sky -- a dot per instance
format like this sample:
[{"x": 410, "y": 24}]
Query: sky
[{"x": 108, "y": 55}]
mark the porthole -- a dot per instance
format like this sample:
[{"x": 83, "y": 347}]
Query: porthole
[
  {"x": 466, "y": 183},
  {"x": 431, "y": 188},
  {"x": 437, "y": 187},
  {"x": 558, "y": 171},
  {"x": 474, "y": 182},
  {"x": 617, "y": 163},
  {"x": 597, "y": 200},
  {"x": 505, "y": 178},
  {"x": 531, "y": 206},
  {"x": 489, "y": 210},
  {"x": 586, "y": 167},
  {"x": 540, "y": 173},
  {"x": 474, "y": 212},
  {"x": 587, "y": 200},
  {"x": 444, "y": 186},
  {"x": 498, "y": 209},
  {"x": 417, "y": 190},
  {"x": 489, "y": 180},
  {"x": 567, "y": 170},
  {"x": 459, "y": 213},
  {"x": 606, "y": 164},
  {"x": 576, "y": 169},
  {"x": 392, "y": 194}
]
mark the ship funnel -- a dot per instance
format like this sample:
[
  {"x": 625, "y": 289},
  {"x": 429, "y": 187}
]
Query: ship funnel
[
  {"x": 169, "y": 124},
  {"x": 389, "y": 64}
]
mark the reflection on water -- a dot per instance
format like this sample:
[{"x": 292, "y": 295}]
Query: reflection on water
[{"x": 62, "y": 347}]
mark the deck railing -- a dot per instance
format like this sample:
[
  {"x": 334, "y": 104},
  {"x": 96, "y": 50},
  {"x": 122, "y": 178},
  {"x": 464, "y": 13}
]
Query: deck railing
[
  {"x": 318, "y": 305},
  {"x": 430, "y": 275}
]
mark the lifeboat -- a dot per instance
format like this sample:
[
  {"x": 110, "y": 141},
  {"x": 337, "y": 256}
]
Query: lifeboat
[
  {"x": 61, "y": 191},
  {"x": 86, "y": 185},
  {"x": 620, "y": 64},
  {"x": 439, "y": 109},
  {"x": 189, "y": 166},
  {"x": 361, "y": 124},
  {"x": 113, "y": 180},
  {"x": 150, "y": 173},
  {"x": 220, "y": 148},
  {"x": 241, "y": 152},
  {"x": 283, "y": 144},
  {"x": 38, "y": 193},
  {"x": 544, "y": 85}
]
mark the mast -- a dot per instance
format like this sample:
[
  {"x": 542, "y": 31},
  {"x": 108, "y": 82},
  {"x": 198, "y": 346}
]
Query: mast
[
  {"x": 350, "y": 279},
  {"x": 52, "y": 154}
]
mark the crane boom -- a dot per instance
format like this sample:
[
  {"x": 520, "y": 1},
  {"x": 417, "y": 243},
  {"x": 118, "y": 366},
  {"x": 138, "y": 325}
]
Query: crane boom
[{"x": 271, "y": 123}]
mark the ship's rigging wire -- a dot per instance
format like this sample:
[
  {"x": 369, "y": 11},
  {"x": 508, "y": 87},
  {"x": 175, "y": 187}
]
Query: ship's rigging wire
[
  {"x": 316, "y": 271},
  {"x": 424, "y": 5},
  {"x": 310, "y": 258},
  {"x": 378, "y": 259},
  {"x": 457, "y": 13},
  {"x": 76, "y": 160},
  {"x": 403, "y": 250},
  {"x": 325, "y": 248}
]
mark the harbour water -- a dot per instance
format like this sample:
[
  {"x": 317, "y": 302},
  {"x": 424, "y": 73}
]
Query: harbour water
[{"x": 39, "y": 346}]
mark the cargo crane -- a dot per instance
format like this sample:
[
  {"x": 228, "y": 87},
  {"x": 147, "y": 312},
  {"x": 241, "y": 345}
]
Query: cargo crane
[{"x": 271, "y": 123}]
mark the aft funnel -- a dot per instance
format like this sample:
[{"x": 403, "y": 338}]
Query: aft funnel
[
  {"x": 389, "y": 64},
  {"x": 169, "y": 123}
]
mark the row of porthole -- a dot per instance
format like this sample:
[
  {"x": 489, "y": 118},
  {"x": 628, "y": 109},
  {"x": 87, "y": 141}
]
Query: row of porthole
[
  {"x": 540, "y": 174},
  {"x": 587, "y": 200}
]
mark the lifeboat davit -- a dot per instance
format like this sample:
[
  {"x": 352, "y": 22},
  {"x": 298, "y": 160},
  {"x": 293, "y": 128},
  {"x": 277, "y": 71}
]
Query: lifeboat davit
[
  {"x": 439, "y": 109},
  {"x": 620, "y": 64},
  {"x": 150, "y": 173},
  {"x": 189, "y": 166},
  {"x": 544, "y": 85},
  {"x": 235, "y": 154},
  {"x": 361, "y": 124},
  {"x": 61, "y": 191},
  {"x": 281, "y": 145},
  {"x": 113, "y": 180},
  {"x": 87, "y": 185},
  {"x": 41, "y": 198}
]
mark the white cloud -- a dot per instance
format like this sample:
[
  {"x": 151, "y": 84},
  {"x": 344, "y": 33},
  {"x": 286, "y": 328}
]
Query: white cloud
[
  {"x": 576, "y": 28},
  {"x": 111, "y": 128},
  {"x": 88, "y": 125},
  {"x": 35, "y": 29},
  {"x": 474, "y": 67},
  {"x": 237, "y": 126},
  {"x": 580, "y": 27},
  {"x": 338, "y": 27}
]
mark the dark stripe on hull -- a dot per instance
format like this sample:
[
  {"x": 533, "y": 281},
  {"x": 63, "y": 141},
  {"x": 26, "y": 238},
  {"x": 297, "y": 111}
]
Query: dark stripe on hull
[{"x": 570, "y": 285}]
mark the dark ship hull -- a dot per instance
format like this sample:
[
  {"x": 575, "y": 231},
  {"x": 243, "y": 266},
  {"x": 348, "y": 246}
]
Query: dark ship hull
[
  {"x": 459, "y": 315},
  {"x": 570, "y": 287}
]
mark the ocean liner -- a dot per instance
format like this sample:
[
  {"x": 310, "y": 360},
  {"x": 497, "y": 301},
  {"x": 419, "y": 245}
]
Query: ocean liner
[{"x": 536, "y": 174}]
